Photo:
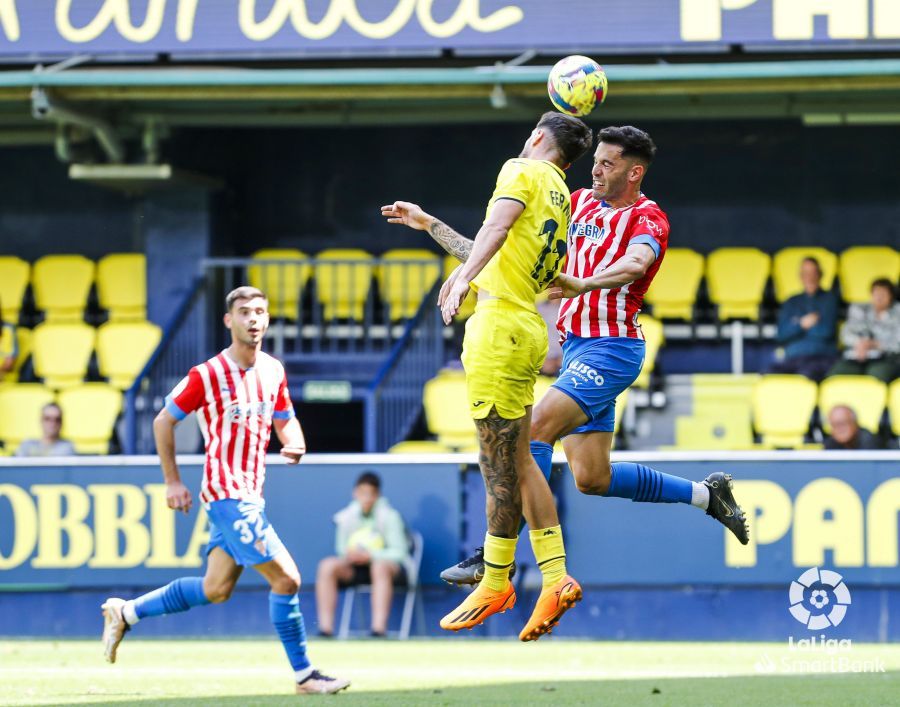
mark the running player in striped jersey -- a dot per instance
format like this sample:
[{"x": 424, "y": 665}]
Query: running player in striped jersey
[
  {"x": 239, "y": 394},
  {"x": 616, "y": 244}
]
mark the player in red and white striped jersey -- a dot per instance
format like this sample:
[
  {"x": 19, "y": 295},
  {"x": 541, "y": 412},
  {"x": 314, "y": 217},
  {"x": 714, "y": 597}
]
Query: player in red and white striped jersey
[{"x": 238, "y": 395}]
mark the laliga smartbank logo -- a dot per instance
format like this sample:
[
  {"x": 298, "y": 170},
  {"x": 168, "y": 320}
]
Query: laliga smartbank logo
[{"x": 819, "y": 600}]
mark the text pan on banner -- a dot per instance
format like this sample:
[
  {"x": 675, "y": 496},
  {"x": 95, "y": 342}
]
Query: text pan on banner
[
  {"x": 39, "y": 28},
  {"x": 98, "y": 526}
]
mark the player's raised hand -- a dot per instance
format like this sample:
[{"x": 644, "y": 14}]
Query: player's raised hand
[
  {"x": 293, "y": 454},
  {"x": 565, "y": 287},
  {"x": 408, "y": 214},
  {"x": 178, "y": 497}
]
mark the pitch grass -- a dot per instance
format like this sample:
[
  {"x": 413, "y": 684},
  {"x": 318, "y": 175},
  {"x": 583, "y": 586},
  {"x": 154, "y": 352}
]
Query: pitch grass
[{"x": 235, "y": 673}]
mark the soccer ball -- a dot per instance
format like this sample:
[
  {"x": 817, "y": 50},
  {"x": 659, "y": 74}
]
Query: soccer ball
[{"x": 577, "y": 85}]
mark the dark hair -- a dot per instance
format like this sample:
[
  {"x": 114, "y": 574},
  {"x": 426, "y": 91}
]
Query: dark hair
[
  {"x": 814, "y": 261},
  {"x": 571, "y": 136},
  {"x": 886, "y": 284},
  {"x": 370, "y": 478},
  {"x": 243, "y": 292},
  {"x": 633, "y": 141}
]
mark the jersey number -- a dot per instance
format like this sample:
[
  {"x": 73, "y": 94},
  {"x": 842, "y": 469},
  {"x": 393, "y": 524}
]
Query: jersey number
[{"x": 551, "y": 254}]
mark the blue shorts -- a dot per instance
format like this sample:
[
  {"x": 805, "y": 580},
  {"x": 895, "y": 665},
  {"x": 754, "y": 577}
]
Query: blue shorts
[
  {"x": 242, "y": 530},
  {"x": 595, "y": 372}
]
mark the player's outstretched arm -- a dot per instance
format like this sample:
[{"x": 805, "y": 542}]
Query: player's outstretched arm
[
  {"x": 178, "y": 496},
  {"x": 293, "y": 443},
  {"x": 412, "y": 215},
  {"x": 630, "y": 267}
]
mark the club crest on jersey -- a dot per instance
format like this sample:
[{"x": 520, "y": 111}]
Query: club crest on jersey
[
  {"x": 591, "y": 231},
  {"x": 242, "y": 411},
  {"x": 585, "y": 373}
]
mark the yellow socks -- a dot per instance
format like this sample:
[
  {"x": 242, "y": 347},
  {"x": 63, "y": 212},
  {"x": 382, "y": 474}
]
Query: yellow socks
[
  {"x": 499, "y": 554},
  {"x": 549, "y": 552}
]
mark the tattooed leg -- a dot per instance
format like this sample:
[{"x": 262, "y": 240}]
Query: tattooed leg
[{"x": 499, "y": 440}]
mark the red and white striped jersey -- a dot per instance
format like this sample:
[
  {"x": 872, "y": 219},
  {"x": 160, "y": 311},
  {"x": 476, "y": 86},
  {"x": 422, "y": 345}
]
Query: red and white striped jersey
[
  {"x": 598, "y": 237},
  {"x": 235, "y": 408}
]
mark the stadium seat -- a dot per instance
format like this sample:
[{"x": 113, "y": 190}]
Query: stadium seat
[
  {"x": 122, "y": 286},
  {"x": 730, "y": 429},
  {"x": 894, "y": 406},
  {"x": 737, "y": 280},
  {"x": 403, "y": 285},
  {"x": 20, "y": 413},
  {"x": 23, "y": 344},
  {"x": 123, "y": 349},
  {"x": 89, "y": 416},
  {"x": 714, "y": 392},
  {"x": 861, "y": 265},
  {"x": 61, "y": 286},
  {"x": 419, "y": 446},
  {"x": 343, "y": 287},
  {"x": 468, "y": 306},
  {"x": 654, "y": 337},
  {"x": 782, "y": 408},
  {"x": 674, "y": 289},
  {"x": 62, "y": 352},
  {"x": 865, "y": 395},
  {"x": 14, "y": 274},
  {"x": 282, "y": 282},
  {"x": 786, "y": 269},
  {"x": 447, "y": 411}
]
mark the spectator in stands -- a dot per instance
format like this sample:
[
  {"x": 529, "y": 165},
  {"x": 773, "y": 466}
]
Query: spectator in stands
[
  {"x": 806, "y": 326},
  {"x": 50, "y": 445},
  {"x": 871, "y": 336},
  {"x": 371, "y": 548},
  {"x": 846, "y": 432}
]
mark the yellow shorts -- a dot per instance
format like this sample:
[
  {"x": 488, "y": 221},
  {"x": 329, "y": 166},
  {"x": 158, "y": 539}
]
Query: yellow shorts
[{"x": 503, "y": 351}]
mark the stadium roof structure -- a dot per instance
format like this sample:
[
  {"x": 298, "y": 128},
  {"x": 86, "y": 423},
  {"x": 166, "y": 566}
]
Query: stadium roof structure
[{"x": 819, "y": 92}]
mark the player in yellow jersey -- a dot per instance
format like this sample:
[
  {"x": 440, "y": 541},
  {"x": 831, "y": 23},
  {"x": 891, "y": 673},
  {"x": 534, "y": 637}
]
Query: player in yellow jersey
[{"x": 516, "y": 254}]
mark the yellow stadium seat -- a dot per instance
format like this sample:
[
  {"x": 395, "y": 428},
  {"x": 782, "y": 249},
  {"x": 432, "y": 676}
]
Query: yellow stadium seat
[
  {"x": 14, "y": 274},
  {"x": 403, "y": 285},
  {"x": 729, "y": 429},
  {"x": 61, "y": 285},
  {"x": 621, "y": 405},
  {"x": 865, "y": 395},
  {"x": 62, "y": 352},
  {"x": 737, "y": 280},
  {"x": 711, "y": 392},
  {"x": 419, "y": 446},
  {"x": 89, "y": 416},
  {"x": 782, "y": 407},
  {"x": 122, "y": 285},
  {"x": 468, "y": 306},
  {"x": 674, "y": 289},
  {"x": 343, "y": 287},
  {"x": 23, "y": 343},
  {"x": 861, "y": 265},
  {"x": 786, "y": 269},
  {"x": 283, "y": 282},
  {"x": 654, "y": 338},
  {"x": 894, "y": 406},
  {"x": 447, "y": 411},
  {"x": 123, "y": 349},
  {"x": 20, "y": 413}
]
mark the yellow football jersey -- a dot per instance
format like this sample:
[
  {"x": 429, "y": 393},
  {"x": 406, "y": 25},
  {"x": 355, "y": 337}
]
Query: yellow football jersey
[{"x": 535, "y": 247}]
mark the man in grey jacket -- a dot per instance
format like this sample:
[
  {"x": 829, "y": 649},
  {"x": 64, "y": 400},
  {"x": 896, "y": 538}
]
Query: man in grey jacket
[
  {"x": 871, "y": 336},
  {"x": 371, "y": 548}
]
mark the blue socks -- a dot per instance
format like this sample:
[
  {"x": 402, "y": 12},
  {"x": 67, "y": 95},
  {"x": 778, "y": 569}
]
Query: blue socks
[
  {"x": 176, "y": 596},
  {"x": 284, "y": 610},
  {"x": 641, "y": 483},
  {"x": 543, "y": 455}
]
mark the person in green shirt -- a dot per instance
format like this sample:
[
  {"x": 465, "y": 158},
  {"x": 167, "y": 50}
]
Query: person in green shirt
[{"x": 371, "y": 548}]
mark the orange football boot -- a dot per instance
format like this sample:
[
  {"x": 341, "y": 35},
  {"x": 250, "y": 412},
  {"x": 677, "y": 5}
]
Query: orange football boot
[
  {"x": 553, "y": 602},
  {"x": 480, "y": 604}
]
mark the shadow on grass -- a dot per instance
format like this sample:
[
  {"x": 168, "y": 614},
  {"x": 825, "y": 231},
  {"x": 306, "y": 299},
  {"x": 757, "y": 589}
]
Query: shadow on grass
[{"x": 820, "y": 690}]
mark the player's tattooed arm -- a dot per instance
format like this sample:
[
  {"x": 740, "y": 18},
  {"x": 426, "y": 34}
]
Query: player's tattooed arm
[
  {"x": 454, "y": 243},
  {"x": 499, "y": 438}
]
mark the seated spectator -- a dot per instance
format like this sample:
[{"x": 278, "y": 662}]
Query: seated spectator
[
  {"x": 806, "y": 325},
  {"x": 846, "y": 432},
  {"x": 371, "y": 548},
  {"x": 871, "y": 336},
  {"x": 50, "y": 445}
]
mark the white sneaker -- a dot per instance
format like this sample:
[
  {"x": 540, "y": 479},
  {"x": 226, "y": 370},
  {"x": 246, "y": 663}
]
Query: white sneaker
[
  {"x": 114, "y": 627},
  {"x": 318, "y": 684}
]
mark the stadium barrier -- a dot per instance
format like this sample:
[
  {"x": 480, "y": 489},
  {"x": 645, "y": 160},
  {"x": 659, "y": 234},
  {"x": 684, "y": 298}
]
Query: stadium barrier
[{"x": 91, "y": 526}]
